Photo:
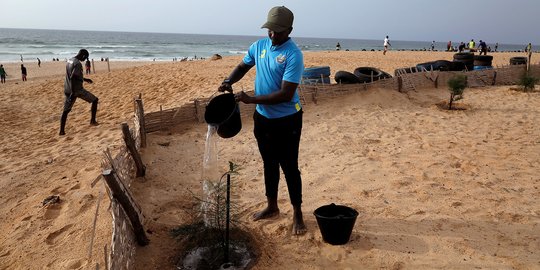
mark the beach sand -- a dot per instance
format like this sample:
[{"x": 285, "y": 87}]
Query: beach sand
[{"x": 434, "y": 188}]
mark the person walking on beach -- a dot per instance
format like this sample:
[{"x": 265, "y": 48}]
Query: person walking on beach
[
  {"x": 3, "y": 74},
  {"x": 23, "y": 72},
  {"x": 338, "y": 46},
  {"x": 88, "y": 65},
  {"x": 433, "y": 45},
  {"x": 528, "y": 48},
  {"x": 38, "y": 62},
  {"x": 386, "y": 44},
  {"x": 483, "y": 47},
  {"x": 496, "y": 46},
  {"x": 278, "y": 114},
  {"x": 73, "y": 89}
]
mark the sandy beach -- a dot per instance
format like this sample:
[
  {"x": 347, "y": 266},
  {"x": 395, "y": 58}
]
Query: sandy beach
[{"x": 435, "y": 189}]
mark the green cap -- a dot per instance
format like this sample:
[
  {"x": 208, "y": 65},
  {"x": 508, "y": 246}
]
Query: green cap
[{"x": 279, "y": 19}]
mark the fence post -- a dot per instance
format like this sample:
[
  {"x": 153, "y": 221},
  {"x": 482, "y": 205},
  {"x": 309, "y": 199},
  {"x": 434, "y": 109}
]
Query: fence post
[
  {"x": 130, "y": 143},
  {"x": 119, "y": 192},
  {"x": 139, "y": 110}
]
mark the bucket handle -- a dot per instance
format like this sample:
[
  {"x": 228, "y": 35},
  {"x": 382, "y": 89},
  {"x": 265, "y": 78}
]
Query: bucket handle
[{"x": 214, "y": 94}]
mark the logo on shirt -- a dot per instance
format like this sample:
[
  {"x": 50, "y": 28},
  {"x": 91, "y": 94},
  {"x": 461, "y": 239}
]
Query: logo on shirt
[
  {"x": 263, "y": 54},
  {"x": 280, "y": 59}
]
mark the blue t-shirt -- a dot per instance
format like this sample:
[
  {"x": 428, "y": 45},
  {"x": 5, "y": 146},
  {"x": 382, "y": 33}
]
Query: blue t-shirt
[{"x": 273, "y": 65}]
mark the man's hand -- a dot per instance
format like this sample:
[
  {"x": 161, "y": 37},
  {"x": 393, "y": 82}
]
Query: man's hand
[
  {"x": 88, "y": 80},
  {"x": 225, "y": 86},
  {"x": 242, "y": 96}
]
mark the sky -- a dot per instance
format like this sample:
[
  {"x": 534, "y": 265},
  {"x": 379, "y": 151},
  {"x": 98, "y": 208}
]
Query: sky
[{"x": 503, "y": 21}]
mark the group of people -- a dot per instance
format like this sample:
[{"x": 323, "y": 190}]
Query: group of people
[
  {"x": 482, "y": 47},
  {"x": 3, "y": 73}
]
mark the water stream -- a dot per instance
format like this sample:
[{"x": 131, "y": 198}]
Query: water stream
[{"x": 210, "y": 173}]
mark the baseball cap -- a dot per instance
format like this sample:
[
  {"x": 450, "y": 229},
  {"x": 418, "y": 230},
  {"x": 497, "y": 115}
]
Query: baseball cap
[{"x": 279, "y": 19}]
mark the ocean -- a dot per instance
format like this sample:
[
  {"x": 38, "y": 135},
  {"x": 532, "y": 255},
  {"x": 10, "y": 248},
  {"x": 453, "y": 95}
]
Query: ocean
[{"x": 31, "y": 44}]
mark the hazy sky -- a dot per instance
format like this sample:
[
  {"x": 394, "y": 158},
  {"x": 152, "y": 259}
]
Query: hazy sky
[{"x": 503, "y": 21}]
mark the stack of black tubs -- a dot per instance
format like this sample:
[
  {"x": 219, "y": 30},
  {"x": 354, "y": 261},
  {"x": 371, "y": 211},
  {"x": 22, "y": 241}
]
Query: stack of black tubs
[
  {"x": 466, "y": 58},
  {"x": 482, "y": 62}
]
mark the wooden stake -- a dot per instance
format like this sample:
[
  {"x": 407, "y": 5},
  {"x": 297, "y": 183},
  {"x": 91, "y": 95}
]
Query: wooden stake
[
  {"x": 93, "y": 67},
  {"x": 106, "y": 257},
  {"x": 130, "y": 143},
  {"x": 140, "y": 115},
  {"x": 529, "y": 60},
  {"x": 160, "y": 117},
  {"x": 94, "y": 225},
  {"x": 123, "y": 197}
]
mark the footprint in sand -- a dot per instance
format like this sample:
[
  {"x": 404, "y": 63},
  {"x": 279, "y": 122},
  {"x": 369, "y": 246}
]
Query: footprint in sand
[
  {"x": 52, "y": 211},
  {"x": 52, "y": 237},
  {"x": 85, "y": 203},
  {"x": 75, "y": 187},
  {"x": 72, "y": 264}
]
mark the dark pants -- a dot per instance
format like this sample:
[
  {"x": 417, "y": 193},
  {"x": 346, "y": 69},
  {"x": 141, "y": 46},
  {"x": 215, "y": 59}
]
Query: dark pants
[{"x": 278, "y": 140}]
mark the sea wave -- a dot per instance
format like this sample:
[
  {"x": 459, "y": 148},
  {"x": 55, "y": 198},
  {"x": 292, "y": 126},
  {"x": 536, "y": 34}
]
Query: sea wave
[
  {"x": 110, "y": 46},
  {"x": 237, "y": 52},
  {"x": 101, "y": 51}
]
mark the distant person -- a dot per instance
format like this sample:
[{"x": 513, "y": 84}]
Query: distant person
[
  {"x": 338, "y": 47},
  {"x": 386, "y": 45},
  {"x": 279, "y": 64},
  {"x": 449, "y": 46},
  {"x": 496, "y": 46},
  {"x": 21, "y": 58},
  {"x": 38, "y": 62},
  {"x": 472, "y": 45},
  {"x": 461, "y": 47},
  {"x": 433, "y": 45},
  {"x": 482, "y": 47},
  {"x": 528, "y": 48},
  {"x": 3, "y": 74},
  {"x": 73, "y": 89},
  {"x": 23, "y": 72},
  {"x": 87, "y": 65}
]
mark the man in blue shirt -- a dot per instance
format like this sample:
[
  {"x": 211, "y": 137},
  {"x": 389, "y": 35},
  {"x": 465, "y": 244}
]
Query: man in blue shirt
[{"x": 278, "y": 116}]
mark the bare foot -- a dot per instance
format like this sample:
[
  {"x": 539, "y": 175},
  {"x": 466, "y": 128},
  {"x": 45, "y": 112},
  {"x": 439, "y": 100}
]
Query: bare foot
[
  {"x": 94, "y": 123},
  {"x": 299, "y": 228},
  {"x": 62, "y": 133},
  {"x": 266, "y": 213}
]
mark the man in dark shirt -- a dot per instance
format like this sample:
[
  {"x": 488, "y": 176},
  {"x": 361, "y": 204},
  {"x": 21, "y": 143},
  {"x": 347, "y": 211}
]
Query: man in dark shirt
[
  {"x": 23, "y": 72},
  {"x": 461, "y": 47},
  {"x": 483, "y": 47},
  {"x": 73, "y": 88}
]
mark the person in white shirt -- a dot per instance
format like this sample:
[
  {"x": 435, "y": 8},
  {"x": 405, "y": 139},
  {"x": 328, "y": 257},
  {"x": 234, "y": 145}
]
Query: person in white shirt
[{"x": 386, "y": 44}]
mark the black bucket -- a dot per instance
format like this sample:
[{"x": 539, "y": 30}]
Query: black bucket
[
  {"x": 336, "y": 223},
  {"x": 223, "y": 112}
]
